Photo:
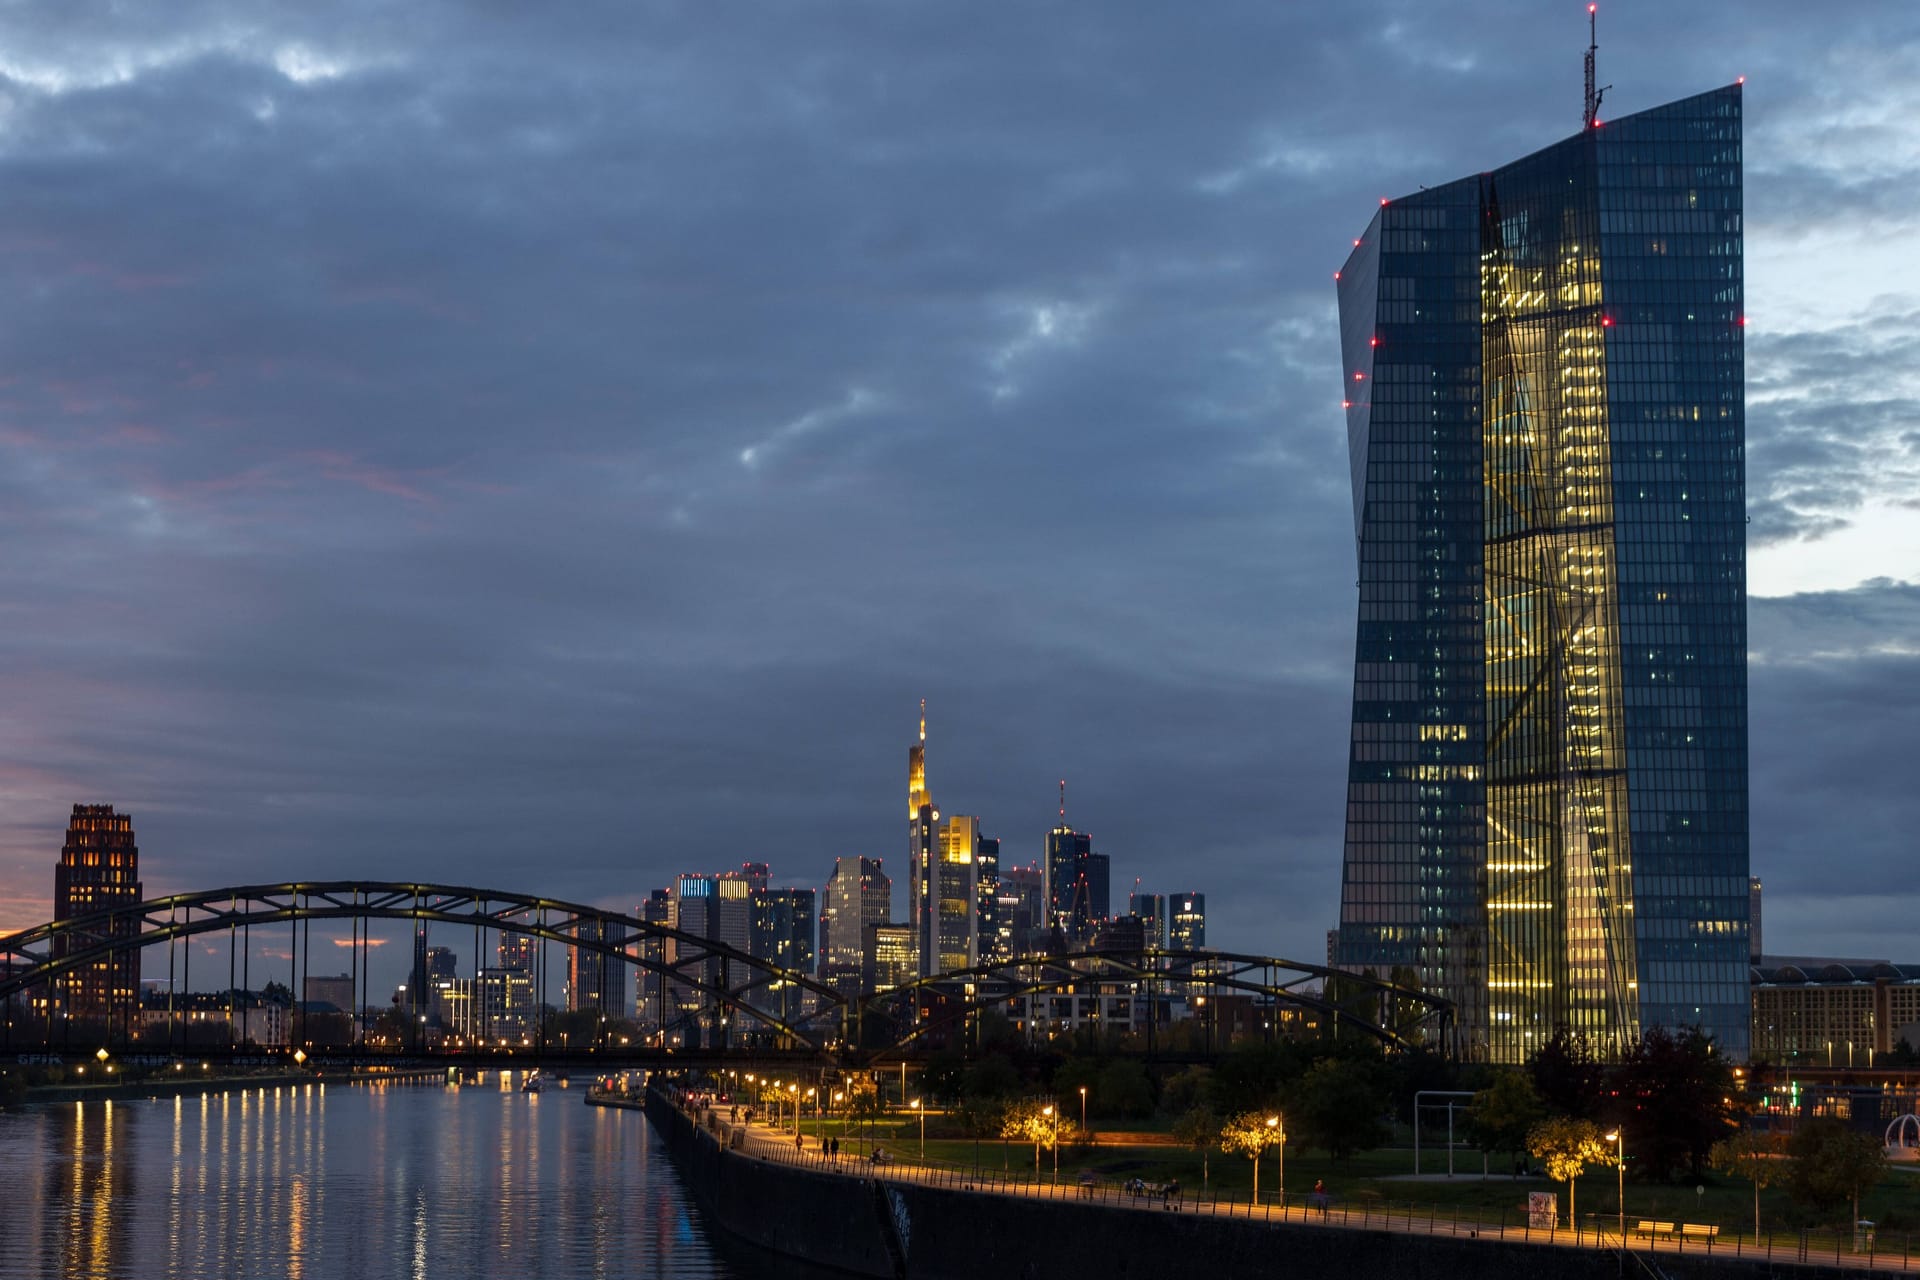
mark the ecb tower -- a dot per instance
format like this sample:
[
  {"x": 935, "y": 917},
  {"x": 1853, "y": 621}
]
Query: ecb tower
[{"x": 1547, "y": 785}]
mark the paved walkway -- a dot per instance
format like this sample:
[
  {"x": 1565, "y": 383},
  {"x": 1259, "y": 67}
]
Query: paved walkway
[{"x": 1828, "y": 1251}]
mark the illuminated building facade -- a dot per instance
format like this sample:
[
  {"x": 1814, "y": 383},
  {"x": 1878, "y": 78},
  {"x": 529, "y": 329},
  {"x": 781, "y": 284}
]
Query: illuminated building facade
[
  {"x": 1547, "y": 783},
  {"x": 891, "y": 957},
  {"x": 951, "y": 940},
  {"x": 99, "y": 870},
  {"x": 1186, "y": 921},
  {"x": 988, "y": 931},
  {"x": 859, "y": 896},
  {"x": 783, "y": 925},
  {"x": 596, "y": 979}
]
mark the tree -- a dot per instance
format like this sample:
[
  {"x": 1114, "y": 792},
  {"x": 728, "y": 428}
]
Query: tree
[
  {"x": 1037, "y": 1121},
  {"x": 1679, "y": 1098},
  {"x": 979, "y": 1115},
  {"x": 1832, "y": 1163},
  {"x": 1336, "y": 1106},
  {"x": 1566, "y": 1074},
  {"x": 1505, "y": 1112},
  {"x": 1181, "y": 1093},
  {"x": 1760, "y": 1158},
  {"x": 1250, "y": 1134},
  {"x": 992, "y": 1077},
  {"x": 1249, "y": 1077},
  {"x": 1568, "y": 1146},
  {"x": 1198, "y": 1128},
  {"x": 863, "y": 1102},
  {"x": 1123, "y": 1090}
]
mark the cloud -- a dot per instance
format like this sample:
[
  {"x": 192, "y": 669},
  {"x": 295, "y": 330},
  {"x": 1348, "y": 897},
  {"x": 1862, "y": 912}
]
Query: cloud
[{"x": 559, "y": 450}]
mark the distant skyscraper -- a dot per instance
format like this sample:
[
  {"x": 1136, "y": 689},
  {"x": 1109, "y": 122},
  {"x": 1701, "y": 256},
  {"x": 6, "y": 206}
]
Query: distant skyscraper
[
  {"x": 1066, "y": 868},
  {"x": 783, "y": 923},
  {"x": 99, "y": 870},
  {"x": 1077, "y": 881},
  {"x": 756, "y": 874},
  {"x": 517, "y": 951},
  {"x": 1547, "y": 787},
  {"x": 650, "y": 988},
  {"x": 923, "y": 822},
  {"x": 1152, "y": 909},
  {"x": 949, "y": 940},
  {"x": 1186, "y": 921},
  {"x": 442, "y": 963},
  {"x": 1023, "y": 910},
  {"x": 859, "y": 895},
  {"x": 992, "y": 943},
  {"x": 890, "y": 957},
  {"x": 596, "y": 979}
]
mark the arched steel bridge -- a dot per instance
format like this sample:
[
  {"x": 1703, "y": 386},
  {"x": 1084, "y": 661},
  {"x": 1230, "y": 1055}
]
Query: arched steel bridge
[
  {"x": 935, "y": 1007},
  {"x": 730, "y": 984}
]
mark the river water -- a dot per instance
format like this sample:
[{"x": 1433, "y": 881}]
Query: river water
[{"x": 340, "y": 1183}]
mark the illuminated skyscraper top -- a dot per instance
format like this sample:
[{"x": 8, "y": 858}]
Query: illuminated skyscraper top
[{"x": 1547, "y": 784}]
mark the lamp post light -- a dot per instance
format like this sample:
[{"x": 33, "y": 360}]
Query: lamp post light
[
  {"x": 1054, "y": 1133},
  {"x": 922, "y": 1113},
  {"x": 1083, "y": 1108},
  {"x": 1280, "y": 1136},
  {"x": 1619, "y": 1138}
]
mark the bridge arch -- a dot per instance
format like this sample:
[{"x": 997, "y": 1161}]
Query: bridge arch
[
  {"x": 961, "y": 994},
  {"x": 46, "y": 952}
]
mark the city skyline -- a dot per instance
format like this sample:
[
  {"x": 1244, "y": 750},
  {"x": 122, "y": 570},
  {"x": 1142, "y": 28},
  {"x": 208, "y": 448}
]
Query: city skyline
[{"x": 380, "y": 419}]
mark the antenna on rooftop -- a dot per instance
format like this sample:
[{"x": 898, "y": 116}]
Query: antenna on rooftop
[
  {"x": 1063, "y": 802},
  {"x": 1591, "y": 120}
]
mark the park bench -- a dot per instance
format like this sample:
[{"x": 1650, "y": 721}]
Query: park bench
[
  {"x": 1698, "y": 1231},
  {"x": 1647, "y": 1227}
]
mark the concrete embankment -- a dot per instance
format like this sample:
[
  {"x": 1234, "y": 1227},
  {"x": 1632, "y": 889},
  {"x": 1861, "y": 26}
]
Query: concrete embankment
[{"x": 892, "y": 1227}]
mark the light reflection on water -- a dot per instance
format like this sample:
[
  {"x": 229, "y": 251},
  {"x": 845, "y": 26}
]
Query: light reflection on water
[{"x": 350, "y": 1184}]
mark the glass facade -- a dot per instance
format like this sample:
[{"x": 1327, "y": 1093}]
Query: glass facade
[{"x": 1547, "y": 787}]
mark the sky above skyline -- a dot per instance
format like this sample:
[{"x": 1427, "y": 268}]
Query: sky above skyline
[{"x": 556, "y": 450}]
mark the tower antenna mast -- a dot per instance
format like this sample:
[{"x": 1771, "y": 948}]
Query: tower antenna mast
[
  {"x": 1591, "y": 120},
  {"x": 1063, "y": 802}
]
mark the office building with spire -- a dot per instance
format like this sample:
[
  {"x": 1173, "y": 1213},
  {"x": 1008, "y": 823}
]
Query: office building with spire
[
  {"x": 923, "y": 821},
  {"x": 1077, "y": 883},
  {"x": 1547, "y": 783}
]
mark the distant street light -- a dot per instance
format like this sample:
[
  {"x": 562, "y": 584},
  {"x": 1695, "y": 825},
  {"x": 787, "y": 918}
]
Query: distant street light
[
  {"x": 1619, "y": 1138},
  {"x": 1083, "y": 1108},
  {"x": 922, "y": 1112}
]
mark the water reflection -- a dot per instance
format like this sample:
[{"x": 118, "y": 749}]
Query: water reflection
[{"x": 353, "y": 1184}]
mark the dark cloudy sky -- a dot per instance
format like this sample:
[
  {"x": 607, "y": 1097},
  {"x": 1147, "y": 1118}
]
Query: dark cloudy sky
[{"x": 555, "y": 447}]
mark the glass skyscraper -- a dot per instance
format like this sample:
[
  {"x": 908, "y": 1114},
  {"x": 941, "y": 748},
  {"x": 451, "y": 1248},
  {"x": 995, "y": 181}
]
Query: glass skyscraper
[{"x": 1547, "y": 784}]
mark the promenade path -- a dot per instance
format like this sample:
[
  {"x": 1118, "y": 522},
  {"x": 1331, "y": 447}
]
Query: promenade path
[{"x": 1598, "y": 1232}]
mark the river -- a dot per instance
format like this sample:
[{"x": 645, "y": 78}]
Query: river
[{"x": 340, "y": 1183}]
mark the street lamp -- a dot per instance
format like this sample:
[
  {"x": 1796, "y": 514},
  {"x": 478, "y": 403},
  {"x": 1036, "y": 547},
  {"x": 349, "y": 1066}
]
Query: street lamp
[
  {"x": 1619, "y": 1139},
  {"x": 922, "y": 1113},
  {"x": 1273, "y": 1127},
  {"x": 1054, "y": 1133},
  {"x": 1083, "y": 1108}
]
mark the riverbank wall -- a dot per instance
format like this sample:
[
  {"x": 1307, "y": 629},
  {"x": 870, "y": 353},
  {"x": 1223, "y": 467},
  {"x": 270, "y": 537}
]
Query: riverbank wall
[{"x": 895, "y": 1228}]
